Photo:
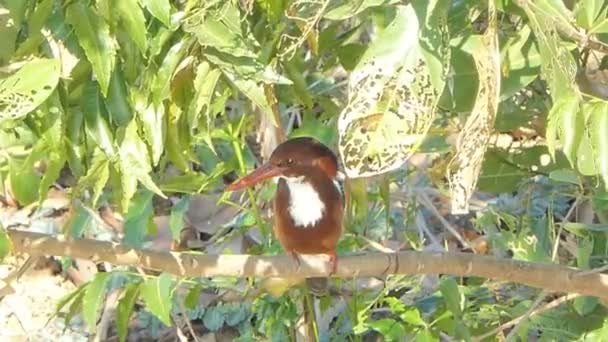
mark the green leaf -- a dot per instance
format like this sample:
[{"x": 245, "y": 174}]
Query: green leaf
[
  {"x": 160, "y": 9},
  {"x": 125, "y": 308},
  {"x": 133, "y": 19},
  {"x": 93, "y": 298},
  {"x": 134, "y": 159},
  {"x": 78, "y": 221},
  {"x": 451, "y": 295},
  {"x": 157, "y": 293},
  {"x": 342, "y": 10},
  {"x": 598, "y": 125},
  {"x": 586, "y": 11},
  {"x": 94, "y": 38},
  {"x": 191, "y": 300},
  {"x": 214, "y": 318},
  {"x": 28, "y": 88},
  {"x": 576, "y": 227},
  {"x": 138, "y": 218},
  {"x": 564, "y": 176},
  {"x": 74, "y": 299},
  {"x": 5, "y": 244},
  {"x": 95, "y": 118},
  {"x": 585, "y": 305},
  {"x": 153, "y": 124},
  {"x": 204, "y": 84},
  {"x": 425, "y": 336},
  {"x": 221, "y": 29},
  {"x": 412, "y": 316},
  {"x": 55, "y": 162},
  {"x": 572, "y": 125},
  {"x": 24, "y": 180},
  {"x": 97, "y": 176},
  {"x": 390, "y": 329},
  {"x": 176, "y": 221},
  {"x": 162, "y": 80},
  {"x": 520, "y": 61},
  {"x": 117, "y": 101}
]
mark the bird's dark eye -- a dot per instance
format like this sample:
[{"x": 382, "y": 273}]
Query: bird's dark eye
[{"x": 289, "y": 161}]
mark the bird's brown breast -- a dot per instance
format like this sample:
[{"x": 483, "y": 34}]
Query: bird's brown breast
[{"x": 318, "y": 237}]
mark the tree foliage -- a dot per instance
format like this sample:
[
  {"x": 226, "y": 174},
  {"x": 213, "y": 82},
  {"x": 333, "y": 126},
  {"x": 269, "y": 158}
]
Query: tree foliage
[{"x": 146, "y": 104}]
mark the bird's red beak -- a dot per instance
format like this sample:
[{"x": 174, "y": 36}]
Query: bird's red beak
[{"x": 263, "y": 172}]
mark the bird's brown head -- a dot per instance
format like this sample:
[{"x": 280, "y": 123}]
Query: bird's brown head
[{"x": 293, "y": 158}]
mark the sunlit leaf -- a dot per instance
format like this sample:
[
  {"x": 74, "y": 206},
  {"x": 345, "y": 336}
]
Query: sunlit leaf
[
  {"x": 451, "y": 295},
  {"x": 394, "y": 90},
  {"x": 176, "y": 221},
  {"x": 28, "y": 88},
  {"x": 160, "y": 9},
  {"x": 134, "y": 21},
  {"x": 134, "y": 158},
  {"x": 94, "y": 36},
  {"x": 5, "y": 244},
  {"x": 94, "y": 114},
  {"x": 157, "y": 293},
  {"x": 93, "y": 298},
  {"x": 125, "y": 308}
]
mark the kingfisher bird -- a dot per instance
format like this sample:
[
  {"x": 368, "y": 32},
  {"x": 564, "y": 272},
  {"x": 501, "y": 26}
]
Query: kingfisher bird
[{"x": 308, "y": 205}]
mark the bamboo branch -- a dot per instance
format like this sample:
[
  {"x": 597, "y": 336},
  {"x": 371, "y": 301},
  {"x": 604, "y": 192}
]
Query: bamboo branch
[{"x": 550, "y": 277}]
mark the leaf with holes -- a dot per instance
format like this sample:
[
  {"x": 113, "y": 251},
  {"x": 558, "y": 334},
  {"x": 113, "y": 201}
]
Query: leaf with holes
[
  {"x": 393, "y": 91},
  {"x": 474, "y": 137},
  {"x": 158, "y": 295},
  {"x": 28, "y": 88}
]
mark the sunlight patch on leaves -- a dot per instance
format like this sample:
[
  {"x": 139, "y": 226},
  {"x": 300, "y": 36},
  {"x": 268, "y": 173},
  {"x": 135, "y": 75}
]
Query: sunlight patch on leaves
[
  {"x": 158, "y": 294},
  {"x": 394, "y": 90},
  {"x": 474, "y": 137},
  {"x": 28, "y": 88}
]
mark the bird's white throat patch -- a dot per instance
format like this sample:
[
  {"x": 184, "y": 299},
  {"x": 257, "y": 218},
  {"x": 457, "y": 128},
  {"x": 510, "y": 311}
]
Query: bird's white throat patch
[{"x": 305, "y": 207}]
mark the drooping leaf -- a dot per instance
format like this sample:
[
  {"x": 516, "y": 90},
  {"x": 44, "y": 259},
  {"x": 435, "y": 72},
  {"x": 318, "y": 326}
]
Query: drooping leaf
[
  {"x": 475, "y": 135},
  {"x": 451, "y": 295},
  {"x": 5, "y": 244},
  {"x": 134, "y": 159},
  {"x": 160, "y": 9},
  {"x": 94, "y": 36},
  {"x": 79, "y": 220},
  {"x": 24, "y": 180},
  {"x": 157, "y": 293},
  {"x": 390, "y": 329},
  {"x": 133, "y": 19},
  {"x": 162, "y": 80},
  {"x": 138, "y": 218},
  {"x": 96, "y": 177},
  {"x": 93, "y": 298},
  {"x": 176, "y": 221},
  {"x": 28, "y": 88},
  {"x": 117, "y": 101},
  {"x": 125, "y": 308},
  {"x": 204, "y": 85},
  {"x": 598, "y": 127},
  {"x": 94, "y": 114}
]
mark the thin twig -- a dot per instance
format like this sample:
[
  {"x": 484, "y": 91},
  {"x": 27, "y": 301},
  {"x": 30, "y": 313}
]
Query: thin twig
[
  {"x": 424, "y": 199},
  {"x": 546, "y": 307}
]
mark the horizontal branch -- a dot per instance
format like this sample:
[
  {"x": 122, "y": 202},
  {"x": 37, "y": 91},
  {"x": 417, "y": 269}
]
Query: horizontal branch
[{"x": 551, "y": 277}]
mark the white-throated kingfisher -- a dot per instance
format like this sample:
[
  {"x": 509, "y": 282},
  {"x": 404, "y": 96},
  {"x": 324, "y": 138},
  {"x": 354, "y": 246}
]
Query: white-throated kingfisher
[{"x": 308, "y": 205}]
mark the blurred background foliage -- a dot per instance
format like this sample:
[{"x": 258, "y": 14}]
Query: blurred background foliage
[{"x": 140, "y": 111}]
